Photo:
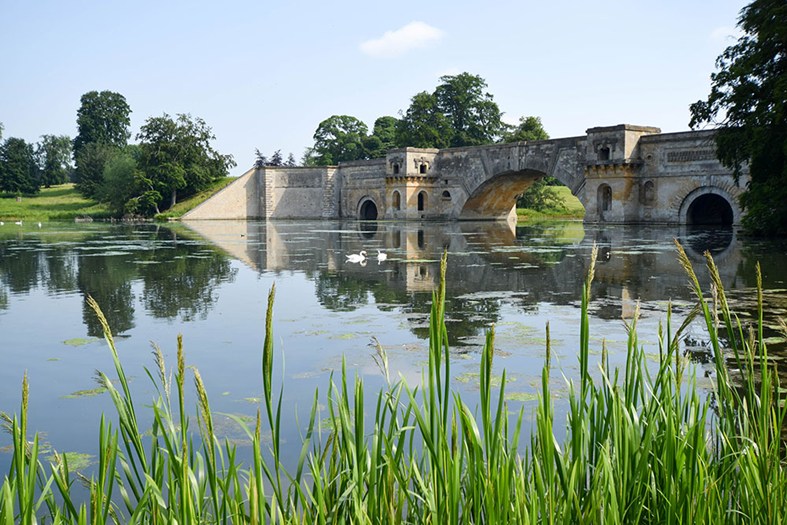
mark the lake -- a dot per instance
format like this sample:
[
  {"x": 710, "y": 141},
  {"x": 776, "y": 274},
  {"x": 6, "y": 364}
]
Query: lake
[{"x": 209, "y": 281}]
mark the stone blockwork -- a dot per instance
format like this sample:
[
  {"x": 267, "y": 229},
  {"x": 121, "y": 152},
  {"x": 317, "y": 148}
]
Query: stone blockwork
[{"x": 621, "y": 174}]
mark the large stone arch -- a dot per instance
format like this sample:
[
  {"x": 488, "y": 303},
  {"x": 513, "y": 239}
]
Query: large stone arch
[
  {"x": 495, "y": 197},
  {"x": 709, "y": 205}
]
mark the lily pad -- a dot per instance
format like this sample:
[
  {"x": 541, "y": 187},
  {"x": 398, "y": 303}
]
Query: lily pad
[
  {"x": 76, "y": 460},
  {"x": 80, "y": 341},
  {"x": 86, "y": 393}
]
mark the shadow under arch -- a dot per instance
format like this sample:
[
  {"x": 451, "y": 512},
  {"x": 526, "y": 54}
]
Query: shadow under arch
[{"x": 496, "y": 197}]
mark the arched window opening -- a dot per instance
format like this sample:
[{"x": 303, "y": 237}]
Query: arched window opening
[
  {"x": 604, "y": 198},
  {"x": 396, "y": 200},
  {"x": 422, "y": 168},
  {"x": 446, "y": 195},
  {"x": 603, "y": 153},
  {"x": 396, "y": 168},
  {"x": 421, "y": 201}
]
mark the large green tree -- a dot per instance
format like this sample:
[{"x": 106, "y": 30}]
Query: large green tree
[
  {"x": 339, "y": 138},
  {"x": 54, "y": 159},
  {"x": 18, "y": 167},
  {"x": 103, "y": 117},
  {"x": 382, "y": 139},
  {"x": 176, "y": 157},
  {"x": 90, "y": 162},
  {"x": 423, "y": 125},
  {"x": 103, "y": 120},
  {"x": 474, "y": 115},
  {"x": 120, "y": 189},
  {"x": 747, "y": 101}
]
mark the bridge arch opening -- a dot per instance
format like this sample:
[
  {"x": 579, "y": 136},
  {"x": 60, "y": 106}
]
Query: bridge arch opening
[
  {"x": 367, "y": 210},
  {"x": 708, "y": 206}
]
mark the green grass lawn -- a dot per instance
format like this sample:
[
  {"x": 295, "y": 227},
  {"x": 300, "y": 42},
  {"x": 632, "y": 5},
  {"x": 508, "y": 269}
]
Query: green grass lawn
[
  {"x": 571, "y": 208},
  {"x": 64, "y": 203},
  {"x": 58, "y": 203}
]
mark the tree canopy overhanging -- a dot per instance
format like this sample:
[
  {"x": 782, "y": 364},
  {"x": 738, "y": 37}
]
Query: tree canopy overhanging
[{"x": 747, "y": 102}]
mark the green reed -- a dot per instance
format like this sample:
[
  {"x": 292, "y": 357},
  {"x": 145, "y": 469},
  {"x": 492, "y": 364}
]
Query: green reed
[{"x": 641, "y": 446}]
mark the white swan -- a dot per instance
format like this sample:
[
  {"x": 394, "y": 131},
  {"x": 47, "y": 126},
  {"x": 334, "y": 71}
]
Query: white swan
[
  {"x": 357, "y": 257},
  {"x": 381, "y": 256},
  {"x": 18, "y": 223}
]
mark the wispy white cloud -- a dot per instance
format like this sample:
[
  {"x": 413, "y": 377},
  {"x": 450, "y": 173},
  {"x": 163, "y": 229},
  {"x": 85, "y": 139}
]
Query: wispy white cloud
[
  {"x": 395, "y": 43},
  {"x": 726, "y": 34}
]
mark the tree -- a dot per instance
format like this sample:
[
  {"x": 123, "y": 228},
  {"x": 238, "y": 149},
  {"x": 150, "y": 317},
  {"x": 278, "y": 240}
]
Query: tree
[
  {"x": 90, "y": 162},
  {"x": 291, "y": 163},
  {"x": 276, "y": 159},
  {"x": 529, "y": 128},
  {"x": 18, "y": 168},
  {"x": 748, "y": 102},
  {"x": 383, "y": 137},
  {"x": 260, "y": 160},
  {"x": 474, "y": 115},
  {"x": 103, "y": 117},
  {"x": 423, "y": 125},
  {"x": 102, "y": 120},
  {"x": 176, "y": 156},
  {"x": 339, "y": 138},
  {"x": 119, "y": 187},
  {"x": 54, "y": 159}
]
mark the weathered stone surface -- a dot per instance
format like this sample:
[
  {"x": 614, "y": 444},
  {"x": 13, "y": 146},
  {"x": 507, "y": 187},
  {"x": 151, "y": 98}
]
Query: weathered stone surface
[{"x": 621, "y": 174}]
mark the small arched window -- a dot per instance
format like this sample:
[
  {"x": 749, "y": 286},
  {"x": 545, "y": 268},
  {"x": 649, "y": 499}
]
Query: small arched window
[
  {"x": 446, "y": 195},
  {"x": 422, "y": 168},
  {"x": 603, "y": 153},
  {"x": 396, "y": 168},
  {"x": 604, "y": 198},
  {"x": 422, "y": 201},
  {"x": 396, "y": 200}
]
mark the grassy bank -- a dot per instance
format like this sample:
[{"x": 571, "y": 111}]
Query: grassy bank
[
  {"x": 567, "y": 206},
  {"x": 58, "y": 203},
  {"x": 64, "y": 203},
  {"x": 640, "y": 446}
]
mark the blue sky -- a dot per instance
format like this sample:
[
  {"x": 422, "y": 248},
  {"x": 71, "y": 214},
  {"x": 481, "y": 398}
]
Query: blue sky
[{"x": 264, "y": 74}]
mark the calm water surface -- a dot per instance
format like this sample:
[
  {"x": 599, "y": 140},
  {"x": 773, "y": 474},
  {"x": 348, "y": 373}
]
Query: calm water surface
[{"x": 209, "y": 281}]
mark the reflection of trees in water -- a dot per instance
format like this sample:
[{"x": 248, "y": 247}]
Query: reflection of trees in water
[
  {"x": 26, "y": 265},
  {"x": 107, "y": 278},
  {"x": 181, "y": 278}
]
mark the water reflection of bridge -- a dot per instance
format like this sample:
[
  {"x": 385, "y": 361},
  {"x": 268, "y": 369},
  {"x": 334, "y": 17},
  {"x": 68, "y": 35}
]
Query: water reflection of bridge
[{"x": 536, "y": 263}]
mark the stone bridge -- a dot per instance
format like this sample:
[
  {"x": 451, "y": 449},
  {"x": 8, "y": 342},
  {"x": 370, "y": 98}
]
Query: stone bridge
[{"x": 621, "y": 174}]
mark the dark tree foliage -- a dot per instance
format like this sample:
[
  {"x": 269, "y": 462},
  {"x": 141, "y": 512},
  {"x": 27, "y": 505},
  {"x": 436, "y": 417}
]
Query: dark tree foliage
[
  {"x": 54, "y": 159},
  {"x": 103, "y": 117},
  {"x": 277, "y": 159},
  {"x": 339, "y": 138},
  {"x": 474, "y": 115},
  {"x": 18, "y": 167},
  {"x": 119, "y": 188},
  {"x": 102, "y": 121},
  {"x": 747, "y": 101},
  {"x": 382, "y": 139},
  {"x": 423, "y": 125},
  {"x": 90, "y": 162},
  {"x": 529, "y": 128},
  {"x": 176, "y": 156},
  {"x": 459, "y": 113}
]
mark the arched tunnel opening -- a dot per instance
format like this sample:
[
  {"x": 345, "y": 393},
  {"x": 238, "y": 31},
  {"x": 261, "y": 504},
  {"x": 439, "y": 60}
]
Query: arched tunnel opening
[
  {"x": 368, "y": 211},
  {"x": 710, "y": 210}
]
